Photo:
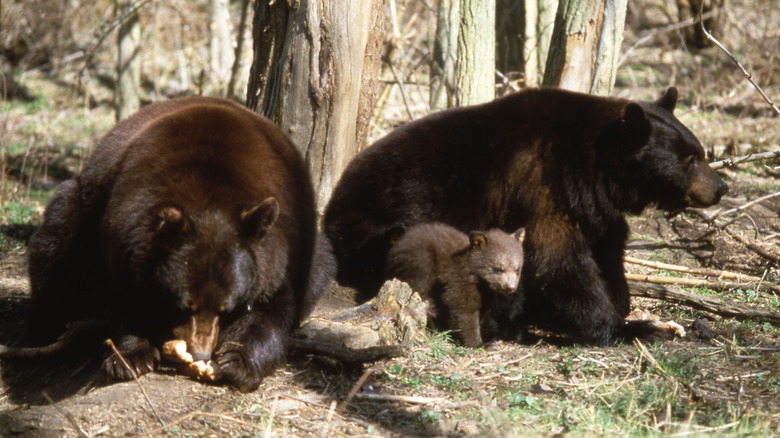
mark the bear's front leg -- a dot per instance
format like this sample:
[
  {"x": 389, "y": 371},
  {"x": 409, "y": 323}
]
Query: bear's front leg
[
  {"x": 563, "y": 284},
  {"x": 137, "y": 353},
  {"x": 253, "y": 347}
]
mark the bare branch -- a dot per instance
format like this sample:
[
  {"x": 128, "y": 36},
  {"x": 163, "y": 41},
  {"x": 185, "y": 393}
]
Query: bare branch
[
  {"x": 739, "y": 64},
  {"x": 706, "y": 304},
  {"x": 733, "y": 161}
]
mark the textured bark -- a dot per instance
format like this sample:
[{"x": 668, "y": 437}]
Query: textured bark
[
  {"x": 539, "y": 23},
  {"x": 585, "y": 44},
  {"x": 445, "y": 55},
  {"x": 475, "y": 70},
  {"x": 128, "y": 66},
  {"x": 314, "y": 74}
]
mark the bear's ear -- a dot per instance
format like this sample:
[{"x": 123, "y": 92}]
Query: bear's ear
[
  {"x": 669, "y": 100},
  {"x": 477, "y": 239},
  {"x": 635, "y": 124},
  {"x": 169, "y": 221},
  {"x": 519, "y": 234},
  {"x": 257, "y": 220}
]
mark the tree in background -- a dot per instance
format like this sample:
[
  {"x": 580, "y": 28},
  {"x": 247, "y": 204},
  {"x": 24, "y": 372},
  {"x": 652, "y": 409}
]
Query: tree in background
[
  {"x": 128, "y": 99},
  {"x": 585, "y": 45},
  {"x": 463, "y": 70},
  {"x": 314, "y": 74},
  {"x": 220, "y": 45}
]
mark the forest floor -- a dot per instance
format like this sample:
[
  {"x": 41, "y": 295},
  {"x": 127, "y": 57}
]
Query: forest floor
[{"x": 723, "y": 378}]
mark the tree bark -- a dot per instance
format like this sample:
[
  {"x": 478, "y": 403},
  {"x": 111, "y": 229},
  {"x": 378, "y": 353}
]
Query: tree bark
[
  {"x": 537, "y": 33},
  {"x": 220, "y": 45},
  {"x": 314, "y": 74},
  {"x": 127, "y": 97},
  {"x": 475, "y": 70},
  {"x": 585, "y": 45},
  {"x": 445, "y": 55}
]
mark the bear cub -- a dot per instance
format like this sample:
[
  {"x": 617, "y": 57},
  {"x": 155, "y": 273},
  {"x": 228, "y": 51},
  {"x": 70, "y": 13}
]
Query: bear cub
[
  {"x": 193, "y": 219},
  {"x": 457, "y": 274}
]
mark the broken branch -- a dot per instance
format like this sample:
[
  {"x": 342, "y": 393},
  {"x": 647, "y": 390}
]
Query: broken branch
[{"x": 706, "y": 304}]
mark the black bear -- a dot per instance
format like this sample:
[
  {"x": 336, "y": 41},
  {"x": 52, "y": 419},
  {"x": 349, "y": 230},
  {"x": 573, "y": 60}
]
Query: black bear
[
  {"x": 457, "y": 274},
  {"x": 195, "y": 216},
  {"x": 564, "y": 165}
]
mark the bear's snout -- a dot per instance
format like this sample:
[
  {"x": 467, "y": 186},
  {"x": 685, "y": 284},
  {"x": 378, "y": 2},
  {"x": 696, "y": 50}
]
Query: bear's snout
[
  {"x": 706, "y": 187},
  {"x": 201, "y": 334}
]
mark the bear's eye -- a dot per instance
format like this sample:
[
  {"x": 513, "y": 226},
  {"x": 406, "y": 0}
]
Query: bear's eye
[{"x": 688, "y": 161}]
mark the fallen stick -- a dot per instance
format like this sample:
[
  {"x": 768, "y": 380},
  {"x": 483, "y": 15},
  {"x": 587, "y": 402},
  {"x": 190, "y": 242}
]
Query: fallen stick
[
  {"x": 660, "y": 279},
  {"x": 699, "y": 302},
  {"x": 733, "y": 161},
  {"x": 400, "y": 398},
  {"x": 696, "y": 271}
]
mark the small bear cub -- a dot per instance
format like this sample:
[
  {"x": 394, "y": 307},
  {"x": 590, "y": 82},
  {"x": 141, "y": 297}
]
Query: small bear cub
[{"x": 457, "y": 274}]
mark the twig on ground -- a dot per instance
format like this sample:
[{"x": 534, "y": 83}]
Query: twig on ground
[
  {"x": 744, "y": 206},
  {"x": 763, "y": 252},
  {"x": 739, "y": 64},
  {"x": 355, "y": 388},
  {"x": 110, "y": 343},
  {"x": 660, "y": 279},
  {"x": 67, "y": 415},
  {"x": 400, "y": 398},
  {"x": 194, "y": 414},
  {"x": 733, "y": 161},
  {"x": 699, "y": 302},
  {"x": 696, "y": 271}
]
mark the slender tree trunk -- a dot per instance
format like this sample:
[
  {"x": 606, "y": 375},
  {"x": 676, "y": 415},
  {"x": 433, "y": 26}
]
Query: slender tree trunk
[
  {"x": 539, "y": 23},
  {"x": 314, "y": 74},
  {"x": 585, "y": 45},
  {"x": 220, "y": 45},
  {"x": 445, "y": 55},
  {"x": 127, "y": 96},
  {"x": 231, "y": 88}
]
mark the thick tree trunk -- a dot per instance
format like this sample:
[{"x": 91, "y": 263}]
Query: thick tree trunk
[
  {"x": 585, "y": 45},
  {"x": 476, "y": 68},
  {"x": 463, "y": 70},
  {"x": 314, "y": 74},
  {"x": 127, "y": 96}
]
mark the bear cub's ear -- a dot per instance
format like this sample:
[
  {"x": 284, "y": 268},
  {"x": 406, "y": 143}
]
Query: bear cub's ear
[
  {"x": 519, "y": 234},
  {"x": 669, "y": 100},
  {"x": 257, "y": 220},
  {"x": 477, "y": 239}
]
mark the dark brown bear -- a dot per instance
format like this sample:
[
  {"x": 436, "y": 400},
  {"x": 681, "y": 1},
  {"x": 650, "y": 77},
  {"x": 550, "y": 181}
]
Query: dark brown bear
[
  {"x": 457, "y": 274},
  {"x": 564, "y": 165},
  {"x": 195, "y": 216}
]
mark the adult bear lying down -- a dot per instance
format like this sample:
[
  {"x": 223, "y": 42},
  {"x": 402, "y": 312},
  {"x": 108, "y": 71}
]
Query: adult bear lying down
[
  {"x": 566, "y": 166},
  {"x": 194, "y": 217}
]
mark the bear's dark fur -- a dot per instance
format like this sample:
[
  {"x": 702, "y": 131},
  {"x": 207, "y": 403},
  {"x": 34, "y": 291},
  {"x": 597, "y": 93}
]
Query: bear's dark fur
[
  {"x": 194, "y": 216},
  {"x": 457, "y": 274},
  {"x": 564, "y": 165}
]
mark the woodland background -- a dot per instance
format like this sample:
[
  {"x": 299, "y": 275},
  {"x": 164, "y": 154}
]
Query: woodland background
[{"x": 59, "y": 81}]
